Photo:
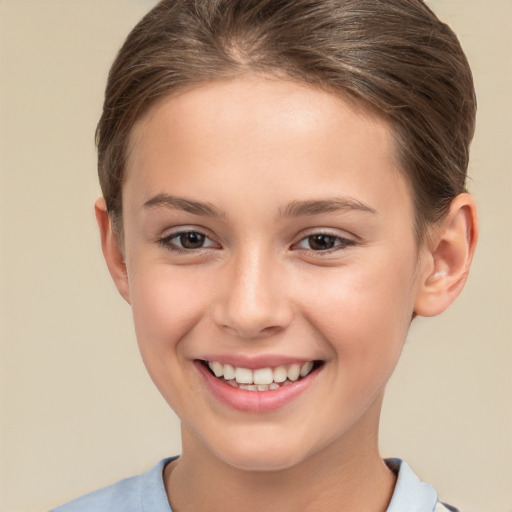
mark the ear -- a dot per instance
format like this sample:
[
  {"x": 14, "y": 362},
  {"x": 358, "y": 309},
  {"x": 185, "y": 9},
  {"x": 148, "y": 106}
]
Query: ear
[
  {"x": 448, "y": 258},
  {"x": 111, "y": 251}
]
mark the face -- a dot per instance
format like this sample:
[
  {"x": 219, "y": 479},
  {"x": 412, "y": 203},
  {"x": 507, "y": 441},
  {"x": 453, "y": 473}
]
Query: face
[{"x": 272, "y": 267}]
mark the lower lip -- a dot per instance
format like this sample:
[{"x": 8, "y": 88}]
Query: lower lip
[{"x": 254, "y": 401}]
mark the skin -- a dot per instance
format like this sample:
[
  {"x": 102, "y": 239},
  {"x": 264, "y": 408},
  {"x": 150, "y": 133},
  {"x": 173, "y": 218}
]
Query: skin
[{"x": 251, "y": 149}]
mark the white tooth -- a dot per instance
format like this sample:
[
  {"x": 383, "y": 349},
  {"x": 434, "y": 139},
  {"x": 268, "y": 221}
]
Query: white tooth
[
  {"x": 216, "y": 368},
  {"x": 279, "y": 374},
  {"x": 232, "y": 383},
  {"x": 274, "y": 386},
  {"x": 243, "y": 376},
  {"x": 305, "y": 369},
  {"x": 229, "y": 372},
  {"x": 262, "y": 387},
  {"x": 248, "y": 387},
  {"x": 287, "y": 382},
  {"x": 293, "y": 372},
  {"x": 263, "y": 376}
]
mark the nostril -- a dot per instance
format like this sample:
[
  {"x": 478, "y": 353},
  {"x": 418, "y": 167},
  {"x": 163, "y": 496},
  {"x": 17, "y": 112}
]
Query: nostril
[
  {"x": 250, "y": 330},
  {"x": 271, "y": 329}
]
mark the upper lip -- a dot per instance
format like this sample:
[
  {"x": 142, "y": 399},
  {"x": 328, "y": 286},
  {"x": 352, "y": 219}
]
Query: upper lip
[{"x": 255, "y": 362}]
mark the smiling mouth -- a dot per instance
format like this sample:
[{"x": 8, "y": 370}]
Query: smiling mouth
[{"x": 261, "y": 379}]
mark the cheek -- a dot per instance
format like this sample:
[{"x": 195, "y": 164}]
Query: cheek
[
  {"x": 165, "y": 305},
  {"x": 363, "y": 311}
]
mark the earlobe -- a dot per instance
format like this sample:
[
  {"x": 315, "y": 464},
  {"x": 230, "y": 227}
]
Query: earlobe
[
  {"x": 111, "y": 251},
  {"x": 448, "y": 258}
]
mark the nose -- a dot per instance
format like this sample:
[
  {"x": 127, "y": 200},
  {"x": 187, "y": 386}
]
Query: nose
[{"x": 252, "y": 301}]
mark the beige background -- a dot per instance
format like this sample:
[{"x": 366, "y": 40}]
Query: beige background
[{"x": 77, "y": 409}]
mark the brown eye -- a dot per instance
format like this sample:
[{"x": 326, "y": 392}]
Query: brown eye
[
  {"x": 322, "y": 242},
  {"x": 191, "y": 240},
  {"x": 187, "y": 241}
]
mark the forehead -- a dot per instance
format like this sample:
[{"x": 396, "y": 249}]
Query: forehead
[
  {"x": 261, "y": 130},
  {"x": 260, "y": 100}
]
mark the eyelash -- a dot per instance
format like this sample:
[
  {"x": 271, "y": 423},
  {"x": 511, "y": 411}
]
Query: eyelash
[
  {"x": 341, "y": 243},
  {"x": 168, "y": 242}
]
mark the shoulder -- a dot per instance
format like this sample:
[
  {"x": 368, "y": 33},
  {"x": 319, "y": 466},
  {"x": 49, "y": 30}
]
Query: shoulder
[
  {"x": 123, "y": 495},
  {"x": 129, "y": 495}
]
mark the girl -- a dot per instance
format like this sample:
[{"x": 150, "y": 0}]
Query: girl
[{"x": 283, "y": 192}]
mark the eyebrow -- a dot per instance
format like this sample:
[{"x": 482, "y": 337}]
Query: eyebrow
[
  {"x": 317, "y": 207},
  {"x": 186, "y": 205},
  {"x": 293, "y": 209}
]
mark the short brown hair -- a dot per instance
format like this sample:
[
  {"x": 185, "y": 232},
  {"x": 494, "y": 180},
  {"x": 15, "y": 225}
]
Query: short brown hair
[{"x": 394, "y": 55}]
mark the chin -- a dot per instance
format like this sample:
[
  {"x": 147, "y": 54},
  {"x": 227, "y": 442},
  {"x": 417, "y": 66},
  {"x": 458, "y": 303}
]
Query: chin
[
  {"x": 261, "y": 454},
  {"x": 263, "y": 462}
]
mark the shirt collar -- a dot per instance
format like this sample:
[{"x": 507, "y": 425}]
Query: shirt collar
[{"x": 411, "y": 494}]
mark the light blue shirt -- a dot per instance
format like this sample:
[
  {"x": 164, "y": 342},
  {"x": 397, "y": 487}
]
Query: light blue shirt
[{"x": 146, "y": 493}]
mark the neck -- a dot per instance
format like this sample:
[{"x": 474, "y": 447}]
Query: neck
[{"x": 346, "y": 475}]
